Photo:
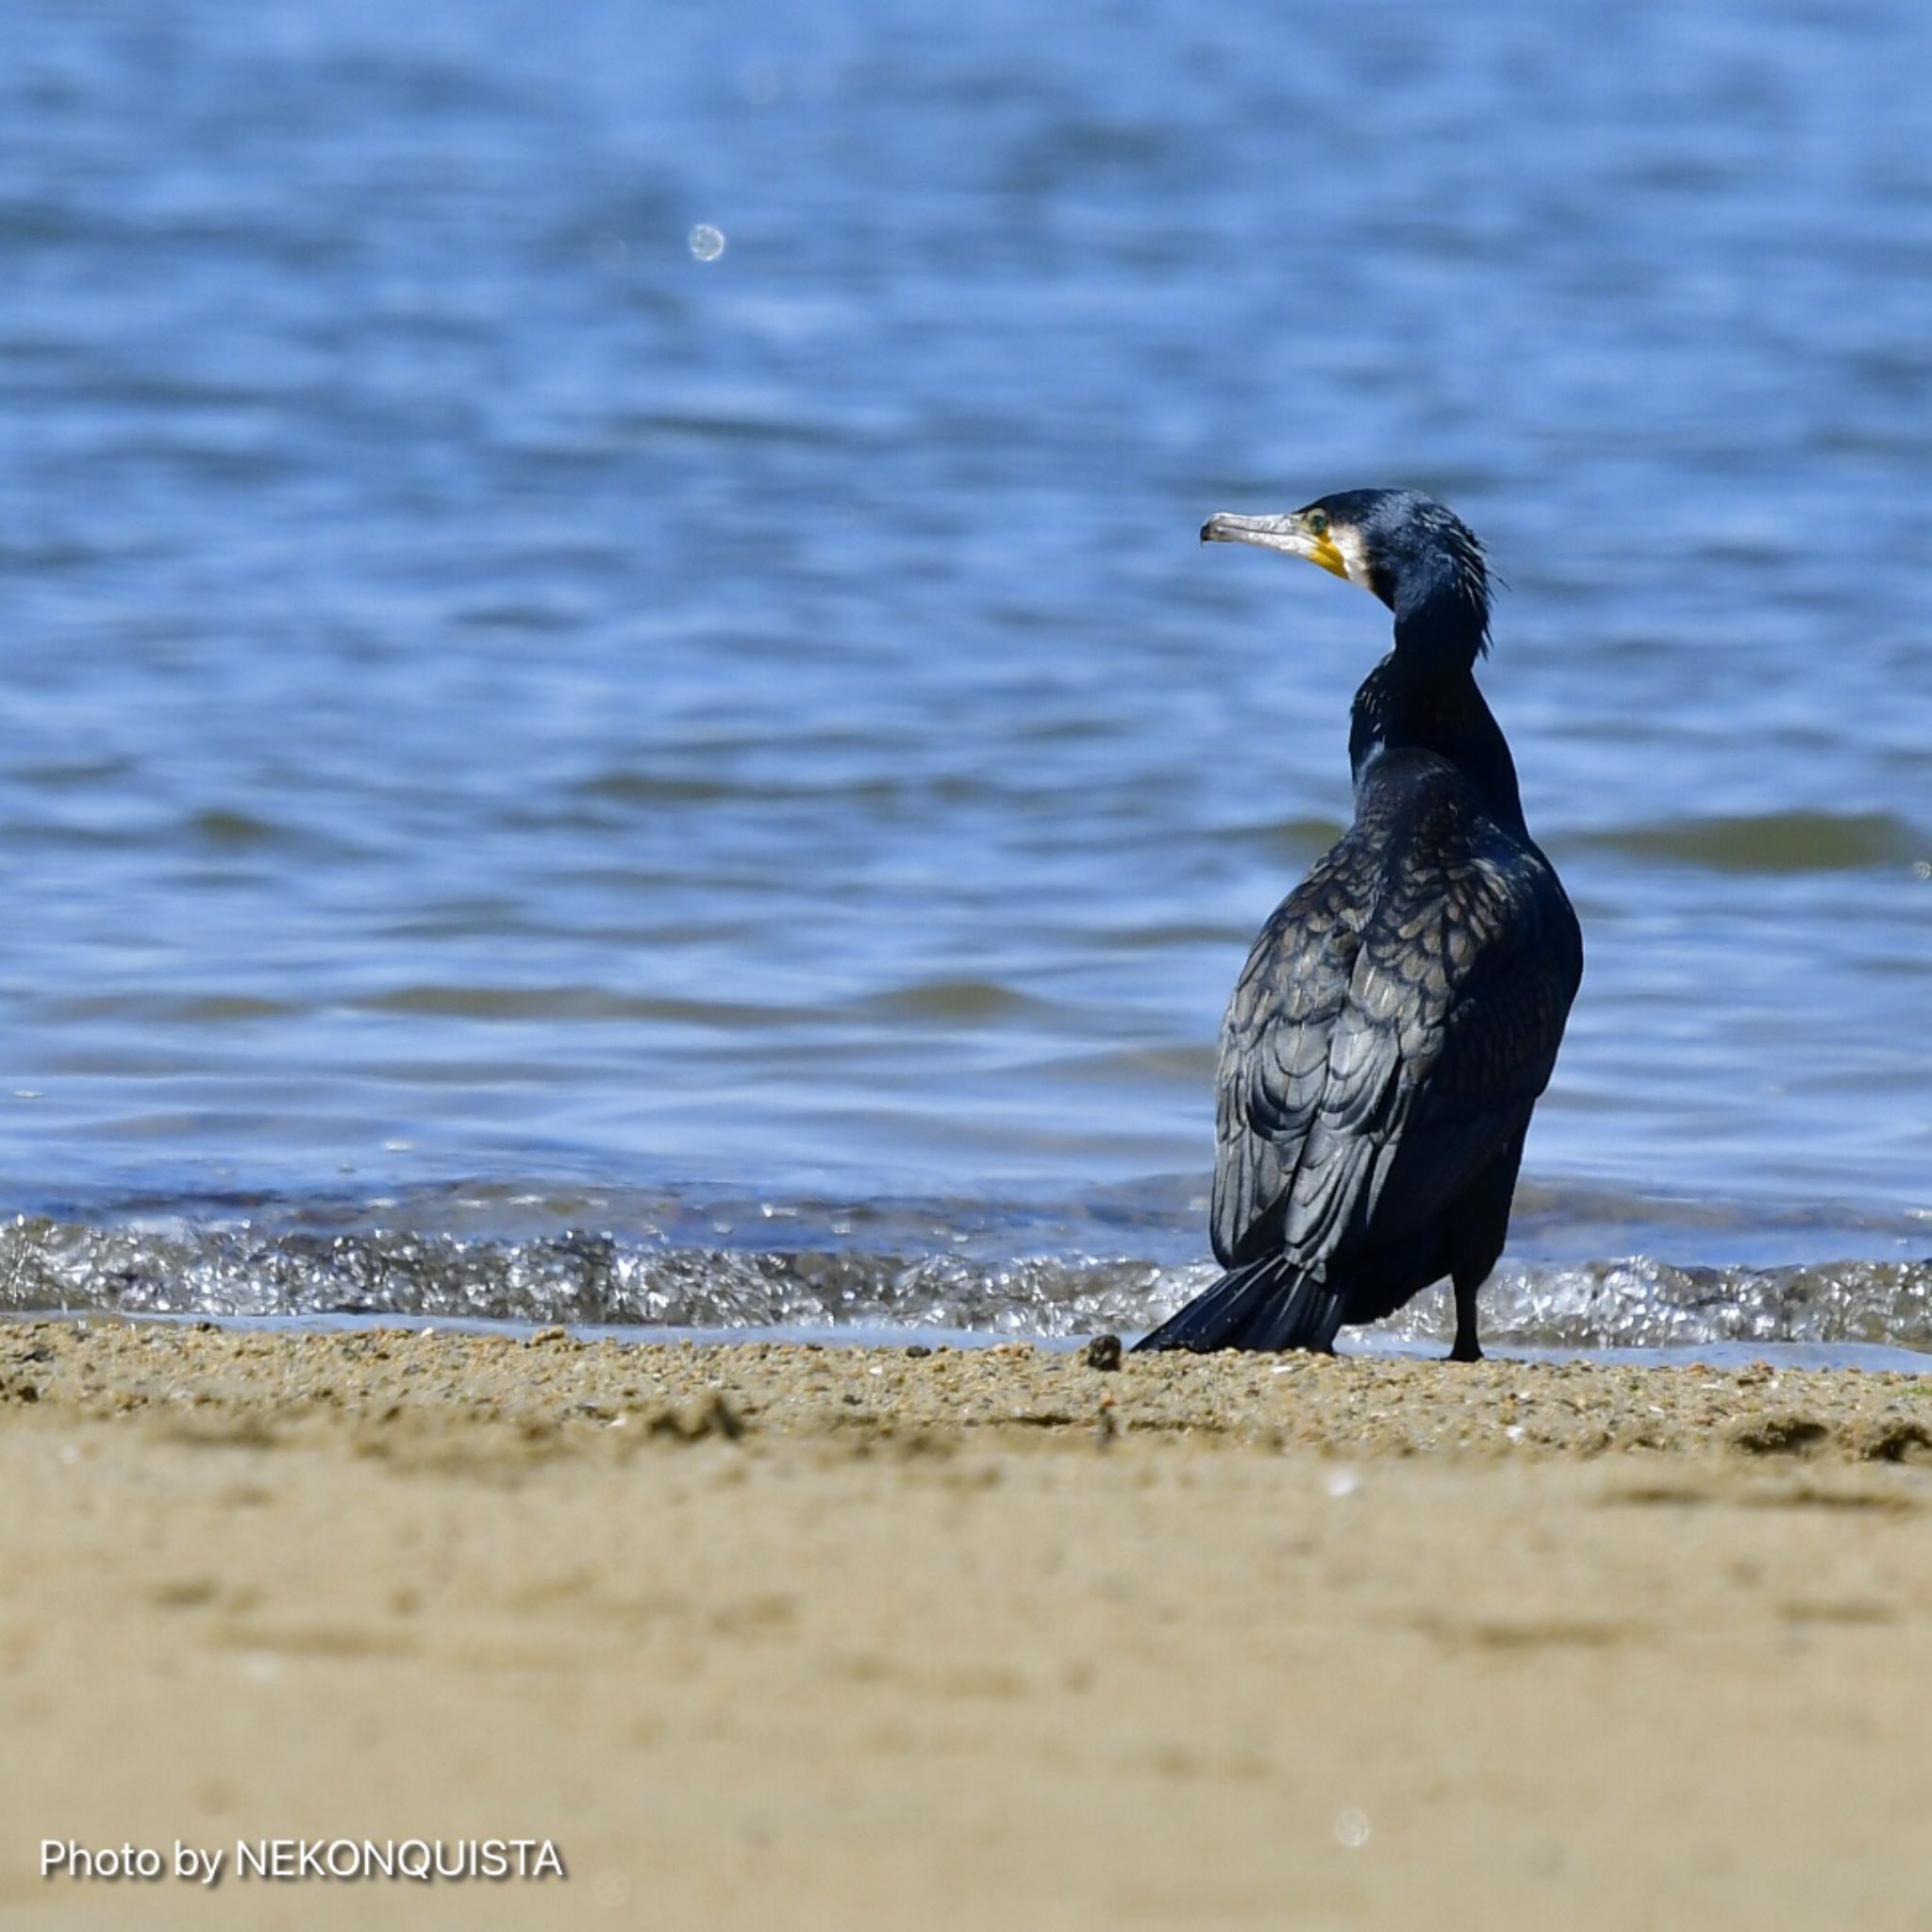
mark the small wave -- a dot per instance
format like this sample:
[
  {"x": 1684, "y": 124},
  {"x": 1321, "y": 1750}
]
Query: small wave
[
  {"x": 596, "y": 1280},
  {"x": 230, "y": 829},
  {"x": 952, "y": 1000},
  {"x": 1778, "y": 841},
  {"x": 593, "y": 1003}
]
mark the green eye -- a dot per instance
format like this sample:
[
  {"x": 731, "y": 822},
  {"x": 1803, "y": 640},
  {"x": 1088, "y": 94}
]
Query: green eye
[{"x": 1317, "y": 521}]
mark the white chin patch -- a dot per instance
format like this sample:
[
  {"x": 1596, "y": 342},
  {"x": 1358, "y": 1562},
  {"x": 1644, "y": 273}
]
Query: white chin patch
[{"x": 1353, "y": 556}]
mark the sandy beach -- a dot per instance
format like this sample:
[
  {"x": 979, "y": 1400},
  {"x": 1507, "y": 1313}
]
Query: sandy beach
[{"x": 784, "y": 1636}]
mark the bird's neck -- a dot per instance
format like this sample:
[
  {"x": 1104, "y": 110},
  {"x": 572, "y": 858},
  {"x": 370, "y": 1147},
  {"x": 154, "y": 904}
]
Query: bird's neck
[{"x": 1427, "y": 700}]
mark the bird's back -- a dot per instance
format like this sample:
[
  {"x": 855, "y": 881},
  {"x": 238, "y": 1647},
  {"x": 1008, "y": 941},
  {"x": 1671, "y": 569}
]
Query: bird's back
[{"x": 1397, "y": 1018}]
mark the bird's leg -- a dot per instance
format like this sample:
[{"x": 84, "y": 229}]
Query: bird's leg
[{"x": 1466, "y": 1348}]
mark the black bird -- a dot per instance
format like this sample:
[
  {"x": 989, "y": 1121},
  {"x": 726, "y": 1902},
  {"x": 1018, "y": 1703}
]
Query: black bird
[{"x": 1400, "y": 1014}]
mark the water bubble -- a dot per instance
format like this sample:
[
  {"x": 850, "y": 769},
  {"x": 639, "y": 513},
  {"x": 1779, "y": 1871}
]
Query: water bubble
[
  {"x": 707, "y": 242},
  {"x": 1352, "y": 1829},
  {"x": 1343, "y": 1482}
]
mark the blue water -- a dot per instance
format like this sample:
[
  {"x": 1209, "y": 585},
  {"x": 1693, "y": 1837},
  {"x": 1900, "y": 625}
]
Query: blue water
[{"x": 511, "y": 727}]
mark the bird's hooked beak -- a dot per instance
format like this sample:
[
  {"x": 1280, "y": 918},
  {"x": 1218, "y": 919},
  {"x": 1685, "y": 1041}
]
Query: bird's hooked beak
[{"x": 1290, "y": 533}]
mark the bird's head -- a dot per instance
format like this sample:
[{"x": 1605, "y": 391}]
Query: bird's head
[{"x": 1421, "y": 560}]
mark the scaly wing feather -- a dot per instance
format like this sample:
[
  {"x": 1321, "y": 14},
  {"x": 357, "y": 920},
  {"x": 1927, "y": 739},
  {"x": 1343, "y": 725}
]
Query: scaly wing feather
[{"x": 1383, "y": 1045}]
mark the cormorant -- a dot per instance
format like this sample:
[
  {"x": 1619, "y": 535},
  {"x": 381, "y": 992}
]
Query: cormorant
[{"x": 1400, "y": 1013}]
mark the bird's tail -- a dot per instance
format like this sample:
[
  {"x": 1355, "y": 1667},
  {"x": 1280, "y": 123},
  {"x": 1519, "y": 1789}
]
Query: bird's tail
[{"x": 1269, "y": 1304}]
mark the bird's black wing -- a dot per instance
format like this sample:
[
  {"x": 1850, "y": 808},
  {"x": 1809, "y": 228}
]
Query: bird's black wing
[
  {"x": 1394, "y": 1025},
  {"x": 1274, "y": 1046}
]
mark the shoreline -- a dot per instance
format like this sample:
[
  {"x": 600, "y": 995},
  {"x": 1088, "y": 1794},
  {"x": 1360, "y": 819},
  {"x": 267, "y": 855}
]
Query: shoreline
[
  {"x": 969, "y": 1637},
  {"x": 569, "y": 1392},
  {"x": 1374, "y": 1344}
]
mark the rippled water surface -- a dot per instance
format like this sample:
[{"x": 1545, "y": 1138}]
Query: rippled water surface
[{"x": 524, "y": 728}]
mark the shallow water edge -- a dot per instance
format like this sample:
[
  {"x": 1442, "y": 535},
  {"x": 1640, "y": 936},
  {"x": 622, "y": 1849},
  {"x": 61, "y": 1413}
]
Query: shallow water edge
[
  {"x": 1871, "y": 1358},
  {"x": 1609, "y": 1277}
]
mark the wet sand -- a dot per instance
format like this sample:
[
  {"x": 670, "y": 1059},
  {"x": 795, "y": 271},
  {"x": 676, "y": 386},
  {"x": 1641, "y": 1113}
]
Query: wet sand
[{"x": 777, "y": 1636}]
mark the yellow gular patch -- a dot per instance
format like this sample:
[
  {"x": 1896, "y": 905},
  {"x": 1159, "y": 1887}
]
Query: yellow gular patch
[{"x": 1323, "y": 551}]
